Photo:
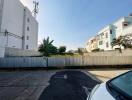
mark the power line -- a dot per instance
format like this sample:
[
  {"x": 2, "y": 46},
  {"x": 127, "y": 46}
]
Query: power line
[{"x": 6, "y": 33}]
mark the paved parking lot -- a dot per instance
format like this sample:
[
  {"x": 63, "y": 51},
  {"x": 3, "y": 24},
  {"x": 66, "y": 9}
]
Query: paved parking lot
[
  {"x": 48, "y": 85},
  {"x": 68, "y": 85},
  {"x": 105, "y": 75},
  {"x": 23, "y": 85}
]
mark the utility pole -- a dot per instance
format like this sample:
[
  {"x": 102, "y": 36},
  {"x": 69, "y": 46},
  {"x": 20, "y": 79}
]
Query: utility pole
[{"x": 36, "y": 9}]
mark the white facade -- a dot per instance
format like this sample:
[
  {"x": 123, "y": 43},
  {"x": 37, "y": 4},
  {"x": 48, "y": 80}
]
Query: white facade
[
  {"x": 18, "y": 28},
  {"x": 92, "y": 44},
  {"x": 105, "y": 36},
  {"x": 123, "y": 26},
  {"x": 30, "y": 31}
]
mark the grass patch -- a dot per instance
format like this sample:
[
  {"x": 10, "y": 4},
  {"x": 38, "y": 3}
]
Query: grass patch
[{"x": 66, "y": 55}]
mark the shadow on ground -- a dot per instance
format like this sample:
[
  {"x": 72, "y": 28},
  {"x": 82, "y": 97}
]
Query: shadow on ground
[{"x": 68, "y": 85}]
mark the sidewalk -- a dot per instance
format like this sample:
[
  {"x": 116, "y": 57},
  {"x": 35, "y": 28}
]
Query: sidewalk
[{"x": 105, "y": 75}]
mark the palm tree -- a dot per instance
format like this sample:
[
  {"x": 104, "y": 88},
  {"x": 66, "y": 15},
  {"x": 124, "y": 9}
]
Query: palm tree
[{"x": 47, "y": 48}]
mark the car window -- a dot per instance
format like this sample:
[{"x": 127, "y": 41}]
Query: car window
[{"x": 124, "y": 83}]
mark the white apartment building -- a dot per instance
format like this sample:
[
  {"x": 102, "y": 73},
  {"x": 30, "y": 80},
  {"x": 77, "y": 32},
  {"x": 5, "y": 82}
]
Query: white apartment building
[
  {"x": 105, "y": 36},
  {"x": 92, "y": 44},
  {"x": 123, "y": 26},
  {"x": 18, "y": 28}
]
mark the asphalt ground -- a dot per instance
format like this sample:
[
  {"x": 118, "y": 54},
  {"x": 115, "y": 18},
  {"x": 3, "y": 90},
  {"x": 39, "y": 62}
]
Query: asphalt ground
[
  {"x": 64, "y": 84},
  {"x": 68, "y": 85}
]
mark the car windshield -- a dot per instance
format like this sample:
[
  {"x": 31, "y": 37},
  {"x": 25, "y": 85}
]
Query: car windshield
[{"x": 123, "y": 83}]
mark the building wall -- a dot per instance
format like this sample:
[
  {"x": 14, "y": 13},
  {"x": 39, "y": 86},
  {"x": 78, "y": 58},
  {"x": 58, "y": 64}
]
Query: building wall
[
  {"x": 89, "y": 45},
  {"x": 113, "y": 33},
  {"x": 2, "y": 38},
  {"x": 2, "y": 51},
  {"x": 123, "y": 30},
  {"x": 2, "y": 45},
  {"x": 14, "y": 42},
  {"x": 13, "y": 52},
  {"x": 31, "y": 35},
  {"x": 92, "y": 44},
  {"x": 118, "y": 27},
  {"x": 105, "y": 38},
  {"x": 12, "y": 21},
  {"x": 1, "y": 11},
  {"x": 128, "y": 29},
  {"x": 15, "y": 19}
]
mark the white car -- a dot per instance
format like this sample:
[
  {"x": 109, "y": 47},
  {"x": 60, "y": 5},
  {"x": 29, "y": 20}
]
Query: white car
[{"x": 119, "y": 88}]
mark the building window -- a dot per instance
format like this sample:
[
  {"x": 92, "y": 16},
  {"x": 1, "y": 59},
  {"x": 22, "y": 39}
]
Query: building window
[
  {"x": 125, "y": 24},
  {"x": 110, "y": 31},
  {"x": 27, "y": 28},
  {"x": 27, "y": 37},
  {"x": 28, "y": 20},
  {"x": 100, "y": 42},
  {"x": 26, "y": 46},
  {"x": 107, "y": 44}
]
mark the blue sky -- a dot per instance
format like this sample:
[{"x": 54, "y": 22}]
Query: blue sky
[{"x": 73, "y": 22}]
